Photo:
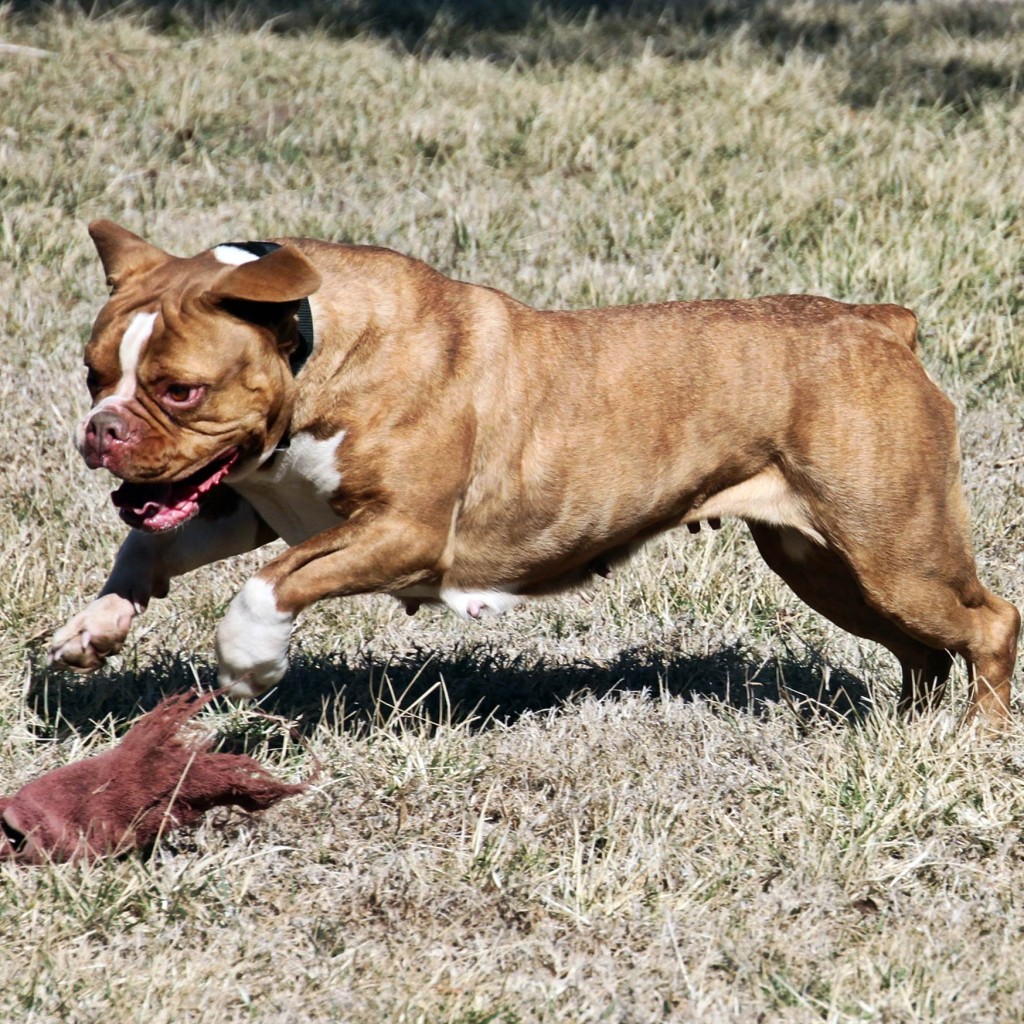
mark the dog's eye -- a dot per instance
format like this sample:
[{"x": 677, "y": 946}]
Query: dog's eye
[
  {"x": 183, "y": 396},
  {"x": 92, "y": 379}
]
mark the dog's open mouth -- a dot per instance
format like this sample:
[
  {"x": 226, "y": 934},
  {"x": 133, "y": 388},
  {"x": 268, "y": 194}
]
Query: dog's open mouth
[{"x": 158, "y": 507}]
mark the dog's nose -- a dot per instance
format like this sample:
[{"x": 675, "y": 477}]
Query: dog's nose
[{"x": 104, "y": 430}]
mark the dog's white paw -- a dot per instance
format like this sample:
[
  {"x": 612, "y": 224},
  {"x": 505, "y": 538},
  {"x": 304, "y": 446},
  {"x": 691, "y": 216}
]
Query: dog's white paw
[
  {"x": 252, "y": 641},
  {"x": 91, "y": 636}
]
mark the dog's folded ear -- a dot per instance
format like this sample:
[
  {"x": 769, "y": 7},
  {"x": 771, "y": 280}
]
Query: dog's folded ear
[
  {"x": 122, "y": 252},
  {"x": 284, "y": 275}
]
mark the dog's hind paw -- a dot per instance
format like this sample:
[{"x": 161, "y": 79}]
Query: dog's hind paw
[{"x": 91, "y": 636}]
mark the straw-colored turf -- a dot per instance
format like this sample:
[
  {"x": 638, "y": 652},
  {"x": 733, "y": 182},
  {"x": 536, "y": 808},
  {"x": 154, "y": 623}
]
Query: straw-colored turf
[{"x": 680, "y": 796}]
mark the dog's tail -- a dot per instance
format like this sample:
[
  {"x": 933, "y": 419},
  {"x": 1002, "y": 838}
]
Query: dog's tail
[{"x": 897, "y": 323}]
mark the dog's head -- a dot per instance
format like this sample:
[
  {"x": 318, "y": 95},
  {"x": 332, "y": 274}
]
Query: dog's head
[{"x": 188, "y": 369}]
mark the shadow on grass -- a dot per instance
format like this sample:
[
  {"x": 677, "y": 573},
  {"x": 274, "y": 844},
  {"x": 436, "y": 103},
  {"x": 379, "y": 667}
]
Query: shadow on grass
[
  {"x": 960, "y": 85},
  {"x": 474, "y": 685},
  {"x": 884, "y": 50},
  {"x": 784, "y": 22}
]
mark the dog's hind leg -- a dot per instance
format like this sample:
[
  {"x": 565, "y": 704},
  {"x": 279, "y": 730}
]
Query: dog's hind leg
[
  {"x": 924, "y": 607},
  {"x": 925, "y": 671},
  {"x": 951, "y": 610},
  {"x": 820, "y": 578}
]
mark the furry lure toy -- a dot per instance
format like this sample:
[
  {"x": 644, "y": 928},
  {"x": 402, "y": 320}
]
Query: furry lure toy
[{"x": 161, "y": 776}]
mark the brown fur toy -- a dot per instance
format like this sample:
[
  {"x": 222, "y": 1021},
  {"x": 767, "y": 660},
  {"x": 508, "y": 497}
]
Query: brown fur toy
[{"x": 161, "y": 776}]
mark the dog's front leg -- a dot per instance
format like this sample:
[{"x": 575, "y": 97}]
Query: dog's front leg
[
  {"x": 374, "y": 552},
  {"x": 143, "y": 569}
]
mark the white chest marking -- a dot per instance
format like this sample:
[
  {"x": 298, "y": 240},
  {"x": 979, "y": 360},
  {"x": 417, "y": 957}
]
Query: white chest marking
[
  {"x": 293, "y": 492},
  {"x": 233, "y": 256}
]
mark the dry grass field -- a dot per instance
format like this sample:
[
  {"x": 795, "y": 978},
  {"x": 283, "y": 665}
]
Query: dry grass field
[{"x": 680, "y": 796}]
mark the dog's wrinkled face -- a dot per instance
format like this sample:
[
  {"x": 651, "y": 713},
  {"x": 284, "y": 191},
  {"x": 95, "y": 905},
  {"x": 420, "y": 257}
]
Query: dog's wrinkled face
[{"x": 187, "y": 368}]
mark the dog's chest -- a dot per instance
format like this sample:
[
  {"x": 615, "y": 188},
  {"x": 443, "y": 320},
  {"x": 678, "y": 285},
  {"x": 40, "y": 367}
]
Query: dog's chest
[{"x": 292, "y": 494}]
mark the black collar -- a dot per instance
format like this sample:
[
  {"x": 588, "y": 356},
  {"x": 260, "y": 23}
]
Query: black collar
[{"x": 304, "y": 318}]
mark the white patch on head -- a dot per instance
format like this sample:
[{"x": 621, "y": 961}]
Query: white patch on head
[
  {"x": 252, "y": 641},
  {"x": 293, "y": 491},
  {"x": 139, "y": 331},
  {"x": 233, "y": 256},
  {"x": 129, "y": 352}
]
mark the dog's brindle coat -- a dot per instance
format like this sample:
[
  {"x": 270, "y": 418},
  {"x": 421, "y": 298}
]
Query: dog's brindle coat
[{"x": 446, "y": 442}]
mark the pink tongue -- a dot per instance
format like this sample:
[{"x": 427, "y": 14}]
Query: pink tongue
[{"x": 157, "y": 507}]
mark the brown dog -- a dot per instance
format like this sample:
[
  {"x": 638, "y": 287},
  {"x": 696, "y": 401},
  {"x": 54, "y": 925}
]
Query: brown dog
[{"x": 444, "y": 442}]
